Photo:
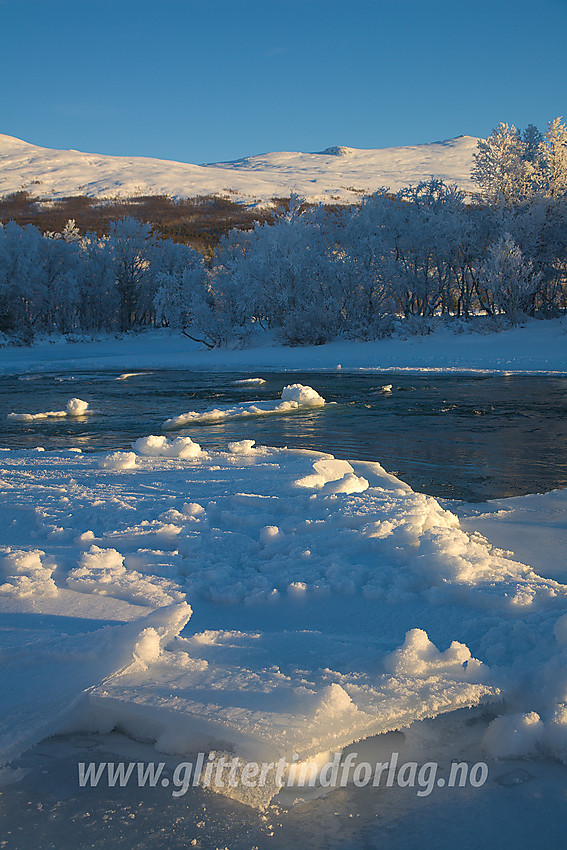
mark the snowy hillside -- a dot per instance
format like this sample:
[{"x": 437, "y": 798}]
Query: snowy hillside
[{"x": 335, "y": 174}]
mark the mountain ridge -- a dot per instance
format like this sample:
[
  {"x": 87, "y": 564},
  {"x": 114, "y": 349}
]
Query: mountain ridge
[{"x": 338, "y": 174}]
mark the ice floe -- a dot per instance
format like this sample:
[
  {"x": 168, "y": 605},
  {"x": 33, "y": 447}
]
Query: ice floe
[
  {"x": 75, "y": 407},
  {"x": 294, "y": 397}
]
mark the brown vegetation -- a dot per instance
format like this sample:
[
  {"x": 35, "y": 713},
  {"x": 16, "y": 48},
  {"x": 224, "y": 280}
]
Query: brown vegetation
[{"x": 199, "y": 222}]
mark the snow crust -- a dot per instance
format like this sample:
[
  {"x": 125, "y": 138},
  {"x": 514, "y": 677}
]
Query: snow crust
[{"x": 330, "y": 603}]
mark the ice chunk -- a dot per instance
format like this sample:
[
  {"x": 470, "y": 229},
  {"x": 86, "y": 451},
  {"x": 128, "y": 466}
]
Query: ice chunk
[
  {"x": 335, "y": 701},
  {"x": 334, "y": 585},
  {"x": 304, "y": 396},
  {"x": 242, "y": 447},
  {"x": 236, "y": 703},
  {"x": 331, "y": 469},
  {"x": 26, "y": 573},
  {"x": 125, "y": 375},
  {"x": 118, "y": 460},
  {"x": 102, "y": 571},
  {"x": 349, "y": 483},
  {"x": 294, "y": 397},
  {"x": 270, "y": 533},
  {"x": 159, "y": 446},
  {"x": 44, "y": 681},
  {"x": 75, "y": 407},
  {"x": 514, "y": 735},
  {"x": 326, "y": 470},
  {"x": 419, "y": 657}
]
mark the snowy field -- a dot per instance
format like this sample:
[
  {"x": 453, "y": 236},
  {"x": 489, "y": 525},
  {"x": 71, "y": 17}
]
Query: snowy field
[
  {"x": 277, "y": 605},
  {"x": 532, "y": 348}
]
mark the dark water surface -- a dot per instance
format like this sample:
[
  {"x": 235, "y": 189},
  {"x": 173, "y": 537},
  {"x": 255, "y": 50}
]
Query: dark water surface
[{"x": 457, "y": 437}]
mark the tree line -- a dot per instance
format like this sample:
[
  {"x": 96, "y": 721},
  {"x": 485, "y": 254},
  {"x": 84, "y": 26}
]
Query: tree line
[{"x": 394, "y": 261}]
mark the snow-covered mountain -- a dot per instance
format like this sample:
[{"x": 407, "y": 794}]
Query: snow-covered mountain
[{"x": 336, "y": 174}]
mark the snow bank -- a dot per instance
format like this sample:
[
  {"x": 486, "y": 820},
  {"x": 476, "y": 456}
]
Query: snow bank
[
  {"x": 536, "y": 347},
  {"x": 75, "y": 407},
  {"x": 294, "y": 397}
]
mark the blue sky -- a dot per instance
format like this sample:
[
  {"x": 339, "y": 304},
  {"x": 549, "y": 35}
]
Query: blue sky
[{"x": 207, "y": 80}]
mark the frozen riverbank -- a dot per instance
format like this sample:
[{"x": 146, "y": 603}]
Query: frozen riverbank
[
  {"x": 328, "y": 602},
  {"x": 537, "y": 347}
]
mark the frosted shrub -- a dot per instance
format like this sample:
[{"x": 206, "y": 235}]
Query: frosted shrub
[{"x": 509, "y": 278}]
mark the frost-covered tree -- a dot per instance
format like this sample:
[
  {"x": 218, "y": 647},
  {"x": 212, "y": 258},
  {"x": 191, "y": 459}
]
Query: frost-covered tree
[
  {"x": 426, "y": 245},
  {"x": 59, "y": 264},
  {"x": 22, "y": 289},
  {"x": 98, "y": 301},
  {"x": 509, "y": 279},
  {"x": 314, "y": 273},
  {"x": 177, "y": 290},
  {"x": 553, "y": 156},
  {"x": 133, "y": 246},
  {"x": 282, "y": 273},
  {"x": 501, "y": 170},
  {"x": 70, "y": 232},
  {"x": 364, "y": 234},
  {"x": 531, "y": 139}
]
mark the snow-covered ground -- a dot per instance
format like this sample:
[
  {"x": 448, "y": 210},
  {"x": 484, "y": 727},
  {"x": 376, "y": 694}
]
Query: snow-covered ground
[
  {"x": 533, "y": 527},
  {"x": 534, "y": 347},
  {"x": 271, "y": 603},
  {"x": 335, "y": 174}
]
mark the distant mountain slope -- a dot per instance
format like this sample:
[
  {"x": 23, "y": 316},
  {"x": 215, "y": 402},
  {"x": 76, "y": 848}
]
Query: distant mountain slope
[{"x": 335, "y": 174}]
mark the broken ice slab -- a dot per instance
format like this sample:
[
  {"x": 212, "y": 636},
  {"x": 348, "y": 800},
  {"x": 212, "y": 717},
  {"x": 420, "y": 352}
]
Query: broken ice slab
[
  {"x": 242, "y": 694},
  {"x": 45, "y": 677}
]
